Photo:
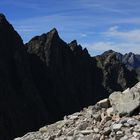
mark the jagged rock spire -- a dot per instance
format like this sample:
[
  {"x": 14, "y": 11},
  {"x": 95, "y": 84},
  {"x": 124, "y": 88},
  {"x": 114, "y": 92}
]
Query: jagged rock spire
[
  {"x": 73, "y": 45},
  {"x": 54, "y": 31},
  {"x": 2, "y": 16}
]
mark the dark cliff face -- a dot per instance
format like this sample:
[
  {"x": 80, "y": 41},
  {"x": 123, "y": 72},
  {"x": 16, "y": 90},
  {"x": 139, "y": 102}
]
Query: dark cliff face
[
  {"x": 47, "y": 78},
  {"x": 70, "y": 69},
  {"x": 20, "y": 104}
]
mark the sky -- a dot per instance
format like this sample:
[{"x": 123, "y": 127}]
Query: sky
[{"x": 98, "y": 25}]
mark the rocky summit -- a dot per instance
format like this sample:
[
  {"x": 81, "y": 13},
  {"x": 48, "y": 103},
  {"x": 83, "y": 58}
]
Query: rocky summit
[{"x": 98, "y": 122}]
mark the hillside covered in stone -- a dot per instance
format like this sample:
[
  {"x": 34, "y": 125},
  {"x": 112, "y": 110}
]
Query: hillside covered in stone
[
  {"x": 114, "y": 118},
  {"x": 47, "y": 78}
]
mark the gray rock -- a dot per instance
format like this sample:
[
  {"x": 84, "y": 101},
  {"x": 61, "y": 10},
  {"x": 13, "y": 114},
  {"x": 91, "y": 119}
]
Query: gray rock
[
  {"x": 86, "y": 132},
  {"x": 96, "y": 137},
  {"x": 120, "y": 133},
  {"x": 104, "y": 103},
  {"x": 129, "y": 131},
  {"x": 126, "y": 124},
  {"x": 97, "y": 117},
  {"x": 106, "y": 131},
  {"x": 102, "y": 137},
  {"x": 116, "y": 127},
  {"x": 108, "y": 123},
  {"x": 137, "y": 128},
  {"x": 123, "y": 120},
  {"x": 124, "y": 138},
  {"x": 89, "y": 137},
  {"x": 96, "y": 130},
  {"x": 131, "y": 122},
  {"x": 135, "y": 134},
  {"x": 125, "y": 103},
  {"x": 109, "y": 111},
  {"x": 133, "y": 138},
  {"x": 82, "y": 126}
]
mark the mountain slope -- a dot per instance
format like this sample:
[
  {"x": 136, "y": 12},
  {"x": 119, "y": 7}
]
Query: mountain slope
[{"x": 103, "y": 121}]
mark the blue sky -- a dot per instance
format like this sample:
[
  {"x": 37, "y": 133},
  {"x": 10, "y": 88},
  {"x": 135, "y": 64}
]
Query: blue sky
[{"x": 98, "y": 25}]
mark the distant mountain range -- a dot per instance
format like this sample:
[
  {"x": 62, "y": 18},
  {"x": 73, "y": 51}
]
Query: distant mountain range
[
  {"x": 131, "y": 60},
  {"x": 45, "y": 79}
]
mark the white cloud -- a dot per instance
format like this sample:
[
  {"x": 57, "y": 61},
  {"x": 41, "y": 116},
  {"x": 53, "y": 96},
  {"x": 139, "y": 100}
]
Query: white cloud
[
  {"x": 83, "y": 35},
  {"x": 121, "y": 41},
  {"x": 113, "y": 28},
  {"x": 66, "y": 25},
  {"x": 130, "y": 20},
  {"x": 22, "y": 4},
  {"x": 111, "y": 6},
  {"x": 100, "y": 46},
  {"x": 129, "y": 36},
  {"x": 119, "y": 47}
]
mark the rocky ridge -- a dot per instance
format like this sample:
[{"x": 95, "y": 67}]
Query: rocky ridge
[
  {"x": 130, "y": 60},
  {"x": 115, "y": 73},
  {"x": 103, "y": 121}
]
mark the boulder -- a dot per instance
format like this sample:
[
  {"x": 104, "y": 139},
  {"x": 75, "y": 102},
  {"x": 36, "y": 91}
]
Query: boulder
[
  {"x": 125, "y": 103},
  {"x": 104, "y": 103}
]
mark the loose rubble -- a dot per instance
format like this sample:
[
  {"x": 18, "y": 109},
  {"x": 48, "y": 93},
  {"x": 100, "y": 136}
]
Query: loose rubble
[{"x": 98, "y": 122}]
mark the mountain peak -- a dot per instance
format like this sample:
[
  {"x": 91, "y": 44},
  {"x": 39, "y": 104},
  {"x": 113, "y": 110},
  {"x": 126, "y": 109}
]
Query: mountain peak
[
  {"x": 54, "y": 32},
  {"x": 2, "y": 16},
  {"x": 3, "y": 20},
  {"x": 131, "y": 54},
  {"x": 74, "y": 42},
  {"x": 108, "y": 52},
  {"x": 73, "y": 45}
]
